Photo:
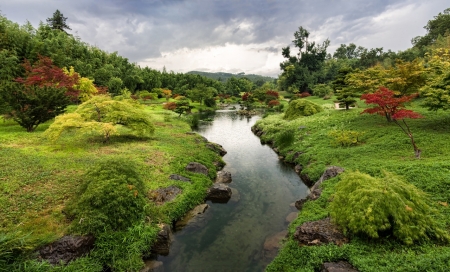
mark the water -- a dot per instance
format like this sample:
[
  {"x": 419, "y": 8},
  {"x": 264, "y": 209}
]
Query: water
[{"x": 230, "y": 237}]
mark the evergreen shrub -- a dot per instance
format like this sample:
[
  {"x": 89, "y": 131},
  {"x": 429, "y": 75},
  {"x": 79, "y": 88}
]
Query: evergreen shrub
[
  {"x": 301, "y": 107},
  {"x": 381, "y": 207},
  {"x": 111, "y": 198}
]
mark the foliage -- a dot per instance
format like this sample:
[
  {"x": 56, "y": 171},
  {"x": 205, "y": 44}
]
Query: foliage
[
  {"x": 84, "y": 85},
  {"x": 345, "y": 92},
  {"x": 45, "y": 73},
  {"x": 167, "y": 94},
  {"x": 301, "y": 107},
  {"x": 388, "y": 105},
  {"x": 31, "y": 106},
  {"x": 58, "y": 21},
  {"x": 439, "y": 26},
  {"x": 302, "y": 71},
  {"x": 345, "y": 137},
  {"x": 273, "y": 103},
  {"x": 437, "y": 89},
  {"x": 101, "y": 115},
  {"x": 374, "y": 207},
  {"x": 111, "y": 198},
  {"x": 322, "y": 90}
]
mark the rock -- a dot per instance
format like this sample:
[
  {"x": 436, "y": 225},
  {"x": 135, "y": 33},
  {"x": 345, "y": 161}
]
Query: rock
[
  {"x": 235, "y": 196},
  {"x": 306, "y": 180},
  {"x": 152, "y": 266},
  {"x": 299, "y": 203},
  {"x": 340, "y": 266},
  {"x": 223, "y": 177},
  {"x": 163, "y": 241},
  {"x": 296, "y": 155},
  {"x": 67, "y": 249},
  {"x": 319, "y": 232},
  {"x": 276, "y": 150},
  {"x": 291, "y": 217},
  {"x": 298, "y": 168},
  {"x": 196, "y": 167},
  {"x": 272, "y": 244},
  {"x": 219, "y": 164},
  {"x": 330, "y": 172},
  {"x": 217, "y": 148},
  {"x": 163, "y": 195},
  {"x": 180, "y": 178},
  {"x": 191, "y": 215},
  {"x": 219, "y": 192}
]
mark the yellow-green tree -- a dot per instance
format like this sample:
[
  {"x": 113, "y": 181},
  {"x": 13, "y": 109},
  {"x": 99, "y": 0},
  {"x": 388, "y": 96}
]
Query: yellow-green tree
[
  {"x": 437, "y": 89},
  {"x": 102, "y": 115},
  {"x": 84, "y": 85}
]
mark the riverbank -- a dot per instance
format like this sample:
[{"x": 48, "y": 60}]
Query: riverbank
[
  {"x": 381, "y": 146},
  {"x": 39, "y": 178}
]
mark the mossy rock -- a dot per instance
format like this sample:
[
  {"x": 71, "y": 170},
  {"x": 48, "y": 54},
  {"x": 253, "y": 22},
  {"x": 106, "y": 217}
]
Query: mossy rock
[{"x": 301, "y": 107}]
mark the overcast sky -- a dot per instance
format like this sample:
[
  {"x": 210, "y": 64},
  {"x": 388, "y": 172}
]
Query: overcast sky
[{"x": 229, "y": 35}]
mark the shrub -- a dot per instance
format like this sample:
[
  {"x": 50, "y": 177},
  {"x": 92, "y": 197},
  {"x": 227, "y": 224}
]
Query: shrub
[
  {"x": 304, "y": 94},
  {"x": 273, "y": 103},
  {"x": 210, "y": 102},
  {"x": 322, "y": 90},
  {"x": 301, "y": 107},
  {"x": 111, "y": 198},
  {"x": 285, "y": 138},
  {"x": 374, "y": 207},
  {"x": 345, "y": 137}
]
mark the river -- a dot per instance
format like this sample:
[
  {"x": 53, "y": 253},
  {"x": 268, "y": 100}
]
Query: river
[{"x": 230, "y": 237}]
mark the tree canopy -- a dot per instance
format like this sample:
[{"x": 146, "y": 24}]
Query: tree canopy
[{"x": 58, "y": 21}]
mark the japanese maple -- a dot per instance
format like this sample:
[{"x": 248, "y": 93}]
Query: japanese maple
[
  {"x": 44, "y": 73},
  {"x": 393, "y": 108}
]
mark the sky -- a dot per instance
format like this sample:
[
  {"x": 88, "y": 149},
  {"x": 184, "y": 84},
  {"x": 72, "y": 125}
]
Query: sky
[{"x": 229, "y": 35}]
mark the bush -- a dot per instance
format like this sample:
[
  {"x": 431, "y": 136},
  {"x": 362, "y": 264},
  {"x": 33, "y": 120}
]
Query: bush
[
  {"x": 301, "y": 107},
  {"x": 345, "y": 137},
  {"x": 322, "y": 90},
  {"x": 111, "y": 198},
  {"x": 377, "y": 207},
  {"x": 210, "y": 102}
]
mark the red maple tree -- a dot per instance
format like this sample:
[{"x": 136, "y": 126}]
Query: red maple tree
[
  {"x": 393, "y": 108},
  {"x": 44, "y": 73}
]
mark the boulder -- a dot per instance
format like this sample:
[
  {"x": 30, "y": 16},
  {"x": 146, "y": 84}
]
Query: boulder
[
  {"x": 340, "y": 266},
  {"x": 272, "y": 245},
  {"x": 223, "y": 177},
  {"x": 163, "y": 195},
  {"x": 179, "y": 177},
  {"x": 217, "y": 148},
  {"x": 291, "y": 217},
  {"x": 330, "y": 172},
  {"x": 152, "y": 266},
  {"x": 298, "y": 168},
  {"x": 318, "y": 233},
  {"x": 299, "y": 203},
  {"x": 219, "y": 192},
  {"x": 67, "y": 249},
  {"x": 191, "y": 216},
  {"x": 219, "y": 164},
  {"x": 196, "y": 167},
  {"x": 163, "y": 241},
  {"x": 306, "y": 179}
]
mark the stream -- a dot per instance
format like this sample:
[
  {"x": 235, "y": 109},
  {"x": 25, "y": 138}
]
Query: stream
[{"x": 230, "y": 236}]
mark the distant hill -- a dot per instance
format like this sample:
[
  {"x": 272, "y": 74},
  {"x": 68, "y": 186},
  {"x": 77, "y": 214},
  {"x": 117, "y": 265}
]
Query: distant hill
[{"x": 223, "y": 77}]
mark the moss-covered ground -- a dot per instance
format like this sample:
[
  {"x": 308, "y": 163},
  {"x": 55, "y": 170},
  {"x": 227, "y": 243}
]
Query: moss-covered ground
[
  {"x": 382, "y": 146},
  {"x": 38, "y": 178}
]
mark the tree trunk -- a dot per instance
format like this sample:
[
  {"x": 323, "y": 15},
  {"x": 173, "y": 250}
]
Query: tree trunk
[{"x": 407, "y": 131}]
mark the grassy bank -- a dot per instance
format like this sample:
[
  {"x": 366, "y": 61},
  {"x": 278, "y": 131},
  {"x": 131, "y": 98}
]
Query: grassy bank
[
  {"x": 39, "y": 178},
  {"x": 380, "y": 146}
]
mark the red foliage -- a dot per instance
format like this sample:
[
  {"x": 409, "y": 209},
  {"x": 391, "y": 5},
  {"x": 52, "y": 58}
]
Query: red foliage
[
  {"x": 304, "y": 94},
  {"x": 273, "y": 103},
  {"x": 388, "y": 105},
  {"x": 170, "y": 106},
  {"x": 101, "y": 90},
  {"x": 273, "y": 93},
  {"x": 245, "y": 96},
  {"x": 44, "y": 73}
]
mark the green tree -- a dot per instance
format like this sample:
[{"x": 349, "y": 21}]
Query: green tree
[
  {"x": 439, "y": 26},
  {"x": 33, "y": 105},
  {"x": 345, "y": 93},
  {"x": 304, "y": 70},
  {"x": 101, "y": 115},
  {"x": 58, "y": 21}
]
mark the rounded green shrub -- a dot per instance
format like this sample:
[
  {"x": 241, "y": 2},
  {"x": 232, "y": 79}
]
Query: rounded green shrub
[
  {"x": 112, "y": 197},
  {"x": 377, "y": 207},
  {"x": 301, "y": 107}
]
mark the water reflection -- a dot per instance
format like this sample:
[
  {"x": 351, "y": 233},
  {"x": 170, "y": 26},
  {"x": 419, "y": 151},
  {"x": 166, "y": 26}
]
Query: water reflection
[{"x": 230, "y": 237}]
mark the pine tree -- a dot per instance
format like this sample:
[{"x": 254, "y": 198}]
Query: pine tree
[{"x": 58, "y": 21}]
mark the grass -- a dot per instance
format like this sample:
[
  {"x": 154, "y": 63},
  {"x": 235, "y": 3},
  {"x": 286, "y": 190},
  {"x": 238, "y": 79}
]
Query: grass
[
  {"x": 38, "y": 178},
  {"x": 383, "y": 146}
]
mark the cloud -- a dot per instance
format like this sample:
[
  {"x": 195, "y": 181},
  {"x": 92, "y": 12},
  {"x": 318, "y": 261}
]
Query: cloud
[{"x": 236, "y": 35}]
